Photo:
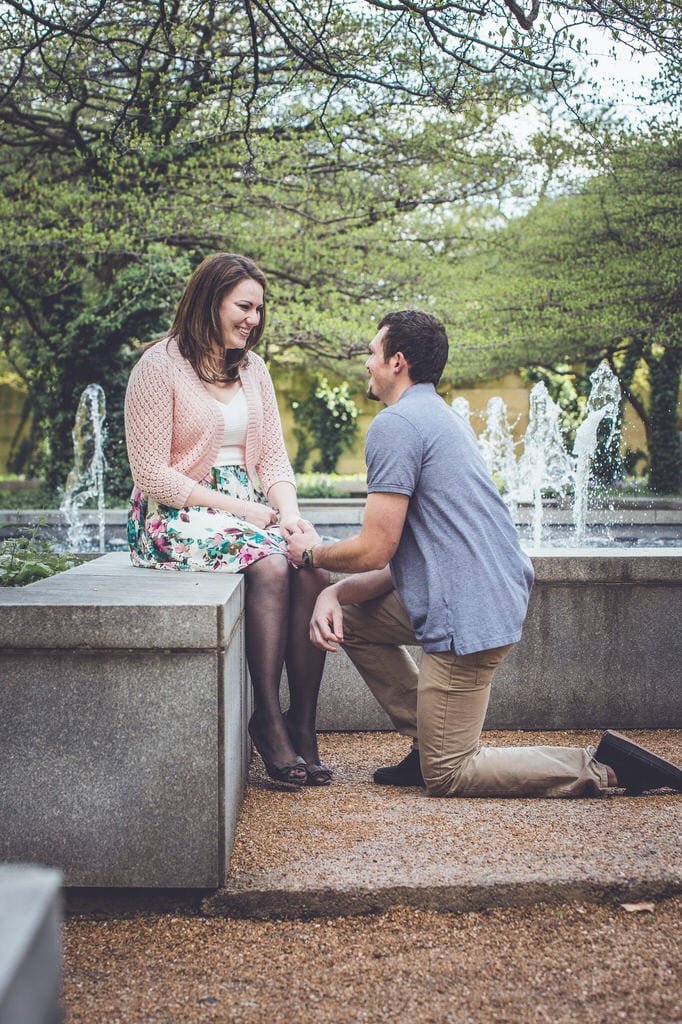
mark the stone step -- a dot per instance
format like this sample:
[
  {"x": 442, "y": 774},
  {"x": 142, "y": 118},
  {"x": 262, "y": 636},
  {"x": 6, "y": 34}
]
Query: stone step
[{"x": 357, "y": 848}]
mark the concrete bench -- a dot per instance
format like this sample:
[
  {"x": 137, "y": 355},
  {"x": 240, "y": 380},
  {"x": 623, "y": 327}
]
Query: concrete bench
[
  {"x": 123, "y": 710},
  {"x": 30, "y": 914},
  {"x": 124, "y": 699}
]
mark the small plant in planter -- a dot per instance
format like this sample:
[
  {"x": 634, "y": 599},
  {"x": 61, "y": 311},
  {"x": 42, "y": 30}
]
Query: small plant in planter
[
  {"x": 29, "y": 557},
  {"x": 326, "y": 419}
]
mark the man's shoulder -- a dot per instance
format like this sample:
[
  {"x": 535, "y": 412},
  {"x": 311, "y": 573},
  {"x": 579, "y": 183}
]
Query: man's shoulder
[
  {"x": 411, "y": 409},
  {"x": 387, "y": 420}
]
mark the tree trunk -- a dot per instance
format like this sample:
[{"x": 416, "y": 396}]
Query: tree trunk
[{"x": 665, "y": 446}]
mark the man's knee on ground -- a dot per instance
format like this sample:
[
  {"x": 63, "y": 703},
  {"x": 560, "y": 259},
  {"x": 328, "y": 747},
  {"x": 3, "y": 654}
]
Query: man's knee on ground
[{"x": 442, "y": 779}]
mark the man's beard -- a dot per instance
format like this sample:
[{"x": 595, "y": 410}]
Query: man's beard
[{"x": 371, "y": 395}]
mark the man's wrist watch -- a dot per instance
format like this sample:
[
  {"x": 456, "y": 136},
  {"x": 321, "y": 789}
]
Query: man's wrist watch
[{"x": 307, "y": 560}]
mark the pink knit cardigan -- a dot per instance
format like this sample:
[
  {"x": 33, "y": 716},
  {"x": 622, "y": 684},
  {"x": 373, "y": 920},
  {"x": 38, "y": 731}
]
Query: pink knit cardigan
[{"x": 174, "y": 428}]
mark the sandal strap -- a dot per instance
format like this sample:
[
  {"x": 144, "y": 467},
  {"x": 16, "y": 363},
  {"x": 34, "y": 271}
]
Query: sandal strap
[{"x": 283, "y": 766}]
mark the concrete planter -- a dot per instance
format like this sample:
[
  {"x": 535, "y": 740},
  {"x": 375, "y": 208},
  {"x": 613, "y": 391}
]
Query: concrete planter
[
  {"x": 123, "y": 710},
  {"x": 601, "y": 647}
]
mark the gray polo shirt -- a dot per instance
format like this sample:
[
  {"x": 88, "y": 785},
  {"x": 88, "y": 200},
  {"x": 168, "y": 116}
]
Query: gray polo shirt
[{"x": 459, "y": 569}]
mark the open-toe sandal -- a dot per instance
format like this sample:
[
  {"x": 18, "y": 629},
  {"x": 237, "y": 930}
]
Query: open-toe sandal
[
  {"x": 280, "y": 771},
  {"x": 316, "y": 774}
]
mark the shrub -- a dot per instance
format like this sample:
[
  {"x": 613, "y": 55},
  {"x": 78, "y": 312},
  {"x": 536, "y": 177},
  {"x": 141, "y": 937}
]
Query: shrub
[
  {"x": 28, "y": 557},
  {"x": 33, "y": 497},
  {"x": 327, "y": 419}
]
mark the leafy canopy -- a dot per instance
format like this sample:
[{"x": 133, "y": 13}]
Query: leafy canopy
[{"x": 334, "y": 142}]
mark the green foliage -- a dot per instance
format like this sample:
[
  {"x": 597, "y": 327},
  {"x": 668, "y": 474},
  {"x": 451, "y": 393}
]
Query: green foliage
[
  {"x": 28, "y": 557},
  {"x": 34, "y": 497},
  {"x": 313, "y": 485},
  {"x": 84, "y": 336},
  {"x": 593, "y": 275},
  {"x": 326, "y": 419},
  {"x": 665, "y": 472},
  {"x": 139, "y": 136}
]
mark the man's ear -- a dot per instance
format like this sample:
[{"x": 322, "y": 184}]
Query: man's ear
[{"x": 399, "y": 362}]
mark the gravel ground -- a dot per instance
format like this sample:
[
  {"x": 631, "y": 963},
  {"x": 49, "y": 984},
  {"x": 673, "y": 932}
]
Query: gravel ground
[
  {"x": 611, "y": 959},
  {"x": 566, "y": 963},
  {"x": 361, "y": 847}
]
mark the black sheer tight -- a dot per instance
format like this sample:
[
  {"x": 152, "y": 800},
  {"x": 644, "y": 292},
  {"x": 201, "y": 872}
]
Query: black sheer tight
[
  {"x": 279, "y": 603},
  {"x": 304, "y": 661}
]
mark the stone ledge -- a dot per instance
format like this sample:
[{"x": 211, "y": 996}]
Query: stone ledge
[
  {"x": 601, "y": 646},
  {"x": 30, "y": 910},
  {"x": 123, "y": 713},
  {"x": 93, "y": 606}
]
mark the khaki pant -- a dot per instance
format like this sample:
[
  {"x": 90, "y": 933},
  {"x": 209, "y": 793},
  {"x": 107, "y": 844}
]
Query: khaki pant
[{"x": 442, "y": 705}]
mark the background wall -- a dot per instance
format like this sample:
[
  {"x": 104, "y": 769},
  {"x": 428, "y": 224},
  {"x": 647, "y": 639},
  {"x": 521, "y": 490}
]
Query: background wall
[
  {"x": 511, "y": 388},
  {"x": 11, "y": 406}
]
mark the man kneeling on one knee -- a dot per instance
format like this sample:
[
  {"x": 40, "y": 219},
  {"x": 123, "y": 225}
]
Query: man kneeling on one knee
[{"x": 438, "y": 563}]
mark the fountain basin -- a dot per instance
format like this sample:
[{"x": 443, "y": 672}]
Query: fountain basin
[
  {"x": 601, "y": 648},
  {"x": 631, "y": 522}
]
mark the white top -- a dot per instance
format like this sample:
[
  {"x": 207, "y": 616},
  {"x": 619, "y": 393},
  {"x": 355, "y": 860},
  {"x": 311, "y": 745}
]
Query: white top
[{"x": 235, "y": 421}]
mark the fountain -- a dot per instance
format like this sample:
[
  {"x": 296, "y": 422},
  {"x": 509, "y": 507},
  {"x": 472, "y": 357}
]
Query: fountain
[
  {"x": 86, "y": 477},
  {"x": 461, "y": 405},
  {"x": 497, "y": 447},
  {"x": 526, "y": 469},
  {"x": 603, "y": 404},
  {"x": 545, "y": 463}
]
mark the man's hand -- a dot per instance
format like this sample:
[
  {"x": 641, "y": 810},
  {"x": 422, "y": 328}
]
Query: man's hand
[
  {"x": 300, "y": 542},
  {"x": 326, "y": 624}
]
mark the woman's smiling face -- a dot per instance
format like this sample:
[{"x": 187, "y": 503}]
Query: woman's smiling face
[{"x": 240, "y": 312}]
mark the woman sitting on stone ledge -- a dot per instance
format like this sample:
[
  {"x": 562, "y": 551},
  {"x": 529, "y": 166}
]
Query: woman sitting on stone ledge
[{"x": 215, "y": 491}]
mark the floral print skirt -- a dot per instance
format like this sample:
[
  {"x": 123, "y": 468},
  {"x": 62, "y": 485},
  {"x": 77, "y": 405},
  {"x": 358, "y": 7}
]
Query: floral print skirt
[{"x": 200, "y": 539}]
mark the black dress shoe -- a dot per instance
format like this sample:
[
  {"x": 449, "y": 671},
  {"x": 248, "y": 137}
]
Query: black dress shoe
[
  {"x": 407, "y": 773},
  {"x": 636, "y": 768}
]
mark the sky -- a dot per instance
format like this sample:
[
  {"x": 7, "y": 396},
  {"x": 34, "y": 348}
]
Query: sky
[{"x": 623, "y": 75}]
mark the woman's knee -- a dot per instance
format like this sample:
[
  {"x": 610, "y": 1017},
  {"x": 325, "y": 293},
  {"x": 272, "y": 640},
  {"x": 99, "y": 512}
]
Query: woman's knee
[
  {"x": 272, "y": 570},
  {"x": 310, "y": 582}
]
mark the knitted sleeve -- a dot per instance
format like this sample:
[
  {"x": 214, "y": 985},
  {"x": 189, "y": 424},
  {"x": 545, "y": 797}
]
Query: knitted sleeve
[
  {"x": 148, "y": 409},
  {"x": 273, "y": 464}
]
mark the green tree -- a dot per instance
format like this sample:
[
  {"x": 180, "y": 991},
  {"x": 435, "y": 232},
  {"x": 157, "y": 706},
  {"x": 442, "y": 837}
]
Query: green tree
[
  {"x": 79, "y": 334},
  {"x": 137, "y": 137},
  {"x": 592, "y": 275},
  {"x": 330, "y": 141}
]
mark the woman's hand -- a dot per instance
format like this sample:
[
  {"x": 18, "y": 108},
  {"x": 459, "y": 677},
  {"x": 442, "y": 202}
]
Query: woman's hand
[
  {"x": 291, "y": 524},
  {"x": 258, "y": 515}
]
